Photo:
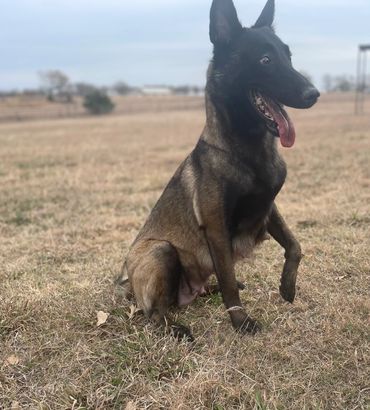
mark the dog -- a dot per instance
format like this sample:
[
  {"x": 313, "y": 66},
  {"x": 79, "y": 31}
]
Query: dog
[{"x": 220, "y": 203}]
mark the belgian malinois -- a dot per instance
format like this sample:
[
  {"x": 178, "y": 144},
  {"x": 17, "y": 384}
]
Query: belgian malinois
[{"x": 220, "y": 203}]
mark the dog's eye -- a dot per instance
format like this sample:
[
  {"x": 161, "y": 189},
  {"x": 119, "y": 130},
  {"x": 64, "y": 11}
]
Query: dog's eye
[{"x": 265, "y": 60}]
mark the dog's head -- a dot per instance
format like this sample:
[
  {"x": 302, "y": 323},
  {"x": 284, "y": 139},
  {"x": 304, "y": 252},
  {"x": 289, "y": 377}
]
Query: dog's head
[{"x": 255, "y": 63}]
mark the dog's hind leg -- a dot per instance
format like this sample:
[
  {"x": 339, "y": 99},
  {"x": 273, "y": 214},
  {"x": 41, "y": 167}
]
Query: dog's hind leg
[
  {"x": 155, "y": 283},
  {"x": 282, "y": 234}
]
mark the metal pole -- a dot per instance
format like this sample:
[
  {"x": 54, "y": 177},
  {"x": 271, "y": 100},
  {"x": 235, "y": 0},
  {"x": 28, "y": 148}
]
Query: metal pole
[
  {"x": 362, "y": 78},
  {"x": 358, "y": 81},
  {"x": 364, "y": 72}
]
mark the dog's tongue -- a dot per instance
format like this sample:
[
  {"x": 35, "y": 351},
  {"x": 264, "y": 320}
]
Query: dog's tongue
[{"x": 285, "y": 125}]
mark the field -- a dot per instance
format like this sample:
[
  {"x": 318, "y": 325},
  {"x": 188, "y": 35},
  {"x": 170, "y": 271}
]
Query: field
[
  {"x": 73, "y": 195},
  {"x": 26, "y": 108}
]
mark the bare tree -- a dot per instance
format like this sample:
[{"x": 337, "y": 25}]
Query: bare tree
[
  {"x": 56, "y": 85},
  {"x": 344, "y": 83},
  {"x": 340, "y": 83},
  {"x": 84, "y": 89}
]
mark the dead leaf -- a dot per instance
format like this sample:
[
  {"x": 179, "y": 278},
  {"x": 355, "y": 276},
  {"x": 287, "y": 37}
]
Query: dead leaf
[
  {"x": 102, "y": 318},
  {"x": 12, "y": 360},
  {"x": 15, "y": 406}
]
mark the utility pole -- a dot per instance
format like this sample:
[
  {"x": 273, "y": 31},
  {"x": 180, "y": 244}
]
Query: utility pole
[{"x": 361, "y": 83}]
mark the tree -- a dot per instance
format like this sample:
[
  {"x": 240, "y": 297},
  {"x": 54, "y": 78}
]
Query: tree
[
  {"x": 98, "y": 102},
  {"x": 340, "y": 83},
  {"x": 328, "y": 83},
  {"x": 56, "y": 85},
  {"x": 84, "y": 89},
  {"x": 182, "y": 90},
  {"x": 344, "y": 83},
  {"x": 122, "y": 88}
]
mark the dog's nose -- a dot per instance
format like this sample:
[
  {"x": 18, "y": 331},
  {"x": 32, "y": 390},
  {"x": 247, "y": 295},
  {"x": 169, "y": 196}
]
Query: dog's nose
[{"x": 311, "y": 95}]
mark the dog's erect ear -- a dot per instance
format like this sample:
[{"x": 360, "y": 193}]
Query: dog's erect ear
[
  {"x": 267, "y": 16},
  {"x": 224, "y": 22}
]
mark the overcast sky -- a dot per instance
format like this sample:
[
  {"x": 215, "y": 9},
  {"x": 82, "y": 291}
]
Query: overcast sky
[{"x": 163, "y": 41}]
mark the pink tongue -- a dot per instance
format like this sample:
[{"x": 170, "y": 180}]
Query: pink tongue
[{"x": 285, "y": 125}]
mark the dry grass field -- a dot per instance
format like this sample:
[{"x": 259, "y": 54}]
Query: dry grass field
[
  {"x": 26, "y": 108},
  {"x": 73, "y": 195}
]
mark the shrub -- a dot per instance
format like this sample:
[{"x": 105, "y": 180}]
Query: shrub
[{"x": 97, "y": 102}]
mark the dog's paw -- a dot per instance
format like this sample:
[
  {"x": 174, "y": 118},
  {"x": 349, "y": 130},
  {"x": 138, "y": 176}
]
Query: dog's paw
[
  {"x": 247, "y": 326},
  {"x": 181, "y": 333},
  {"x": 215, "y": 289},
  {"x": 288, "y": 293}
]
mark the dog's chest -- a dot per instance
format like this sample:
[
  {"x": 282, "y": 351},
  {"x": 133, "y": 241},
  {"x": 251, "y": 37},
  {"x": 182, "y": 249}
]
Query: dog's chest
[{"x": 250, "y": 205}]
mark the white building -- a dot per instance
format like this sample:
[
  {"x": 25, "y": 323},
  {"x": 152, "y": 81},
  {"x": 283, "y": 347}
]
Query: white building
[{"x": 156, "y": 90}]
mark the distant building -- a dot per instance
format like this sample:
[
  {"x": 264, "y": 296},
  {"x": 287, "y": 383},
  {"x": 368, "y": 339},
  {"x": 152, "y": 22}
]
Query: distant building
[{"x": 156, "y": 90}]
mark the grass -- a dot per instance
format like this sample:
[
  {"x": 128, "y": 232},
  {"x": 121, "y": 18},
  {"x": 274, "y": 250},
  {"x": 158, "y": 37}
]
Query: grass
[
  {"x": 25, "y": 108},
  {"x": 73, "y": 195}
]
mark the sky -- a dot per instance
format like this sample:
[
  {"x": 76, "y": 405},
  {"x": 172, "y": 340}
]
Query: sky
[{"x": 163, "y": 41}]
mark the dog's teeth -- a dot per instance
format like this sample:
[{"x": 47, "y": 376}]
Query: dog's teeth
[{"x": 261, "y": 105}]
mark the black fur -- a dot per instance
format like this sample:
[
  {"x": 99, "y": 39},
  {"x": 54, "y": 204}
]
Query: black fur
[{"x": 220, "y": 202}]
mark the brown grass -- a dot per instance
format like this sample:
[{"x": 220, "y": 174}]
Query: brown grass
[
  {"x": 25, "y": 108},
  {"x": 73, "y": 195}
]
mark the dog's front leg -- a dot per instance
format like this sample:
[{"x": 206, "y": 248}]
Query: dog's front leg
[
  {"x": 279, "y": 230},
  {"x": 220, "y": 250}
]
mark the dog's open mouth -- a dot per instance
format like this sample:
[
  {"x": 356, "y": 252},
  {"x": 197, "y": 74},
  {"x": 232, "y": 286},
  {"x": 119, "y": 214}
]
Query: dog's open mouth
[{"x": 277, "y": 119}]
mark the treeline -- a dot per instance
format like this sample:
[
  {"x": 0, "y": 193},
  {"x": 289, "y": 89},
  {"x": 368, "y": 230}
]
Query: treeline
[
  {"x": 56, "y": 86},
  {"x": 344, "y": 83}
]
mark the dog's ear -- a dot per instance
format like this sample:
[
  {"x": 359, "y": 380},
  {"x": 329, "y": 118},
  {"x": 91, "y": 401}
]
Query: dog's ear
[
  {"x": 225, "y": 25},
  {"x": 267, "y": 16}
]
